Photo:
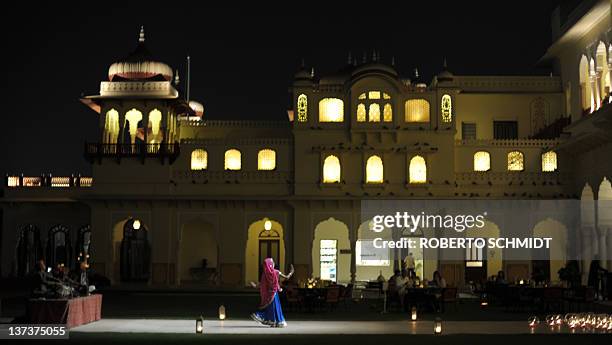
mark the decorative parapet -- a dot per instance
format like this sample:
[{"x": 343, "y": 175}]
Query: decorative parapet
[
  {"x": 535, "y": 143},
  {"x": 235, "y": 123},
  {"x": 244, "y": 141},
  {"x": 508, "y": 83},
  {"x": 128, "y": 88},
  {"x": 518, "y": 176},
  {"x": 204, "y": 176}
]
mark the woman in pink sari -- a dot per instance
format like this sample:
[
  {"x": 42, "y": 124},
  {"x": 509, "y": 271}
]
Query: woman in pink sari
[{"x": 269, "y": 312}]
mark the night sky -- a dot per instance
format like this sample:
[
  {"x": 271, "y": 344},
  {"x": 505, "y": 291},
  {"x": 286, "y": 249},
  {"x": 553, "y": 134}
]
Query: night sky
[{"x": 243, "y": 59}]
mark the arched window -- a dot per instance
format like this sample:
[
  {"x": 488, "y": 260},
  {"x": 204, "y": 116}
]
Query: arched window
[
  {"x": 482, "y": 161},
  {"x": 515, "y": 161},
  {"x": 446, "y": 107},
  {"x": 331, "y": 110},
  {"x": 155, "y": 117},
  {"x": 585, "y": 86},
  {"x": 331, "y": 169},
  {"x": 388, "y": 113},
  {"x": 111, "y": 127},
  {"x": 59, "y": 250},
  {"x": 603, "y": 72},
  {"x": 199, "y": 159},
  {"x": 361, "y": 112},
  {"x": 417, "y": 110},
  {"x": 233, "y": 160},
  {"x": 549, "y": 161},
  {"x": 302, "y": 108},
  {"x": 374, "y": 113},
  {"x": 132, "y": 118},
  {"x": 29, "y": 249},
  {"x": 374, "y": 170},
  {"x": 417, "y": 170},
  {"x": 266, "y": 159}
]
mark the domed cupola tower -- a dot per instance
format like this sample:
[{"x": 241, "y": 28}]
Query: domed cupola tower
[{"x": 139, "y": 106}]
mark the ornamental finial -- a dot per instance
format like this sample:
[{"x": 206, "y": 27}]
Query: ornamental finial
[{"x": 141, "y": 38}]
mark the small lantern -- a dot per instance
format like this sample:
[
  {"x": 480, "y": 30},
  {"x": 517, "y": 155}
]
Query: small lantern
[
  {"x": 136, "y": 224},
  {"x": 438, "y": 326},
  {"x": 483, "y": 300},
  {"x": 521, "y": 282},
  {"x": 413, "y": 315},
  {"x": 200, "y": 325},
  {"x": 267, "y": 225},
  {"x": 222, "y": 312}
]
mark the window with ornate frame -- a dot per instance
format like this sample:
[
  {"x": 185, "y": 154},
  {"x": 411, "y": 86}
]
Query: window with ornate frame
[
  {"x": 331, "y": 110},
  {"x": 417, "y": 110},
  {"x": 332, "y": 170},
  {"x": 199, "y": 159},
  {"x": 549, "y": 161},
  {"x": 371, "y": 101},
  {"x": 446, "y": 107},
  {"x": 374, "y": 170},
  {"x": 417, "y": 170},
  {"x": 233, "y": 160},
  {"x": 302, "y": 108},
  {"x": 266, "y": 159},
  {"x": 482, "y": 161},
  {"x": 515, "y": 161}
]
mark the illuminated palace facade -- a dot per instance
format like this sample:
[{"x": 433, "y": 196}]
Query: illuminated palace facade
[{"x": 171, "y": 188}]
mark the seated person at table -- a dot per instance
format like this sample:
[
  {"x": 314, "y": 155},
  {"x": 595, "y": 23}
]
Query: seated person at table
[
  {"x": 402, "y": 283},
  {"x": 501, "y": 278},
  {"x": 438, "y": 281},
  {"x": 43, "y": 282}
]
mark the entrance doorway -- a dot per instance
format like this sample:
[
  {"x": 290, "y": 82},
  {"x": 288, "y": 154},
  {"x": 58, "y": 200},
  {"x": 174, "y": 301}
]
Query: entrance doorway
[
  {"x": 475, "y": 265},
  {"x": 269, "y": 247}
]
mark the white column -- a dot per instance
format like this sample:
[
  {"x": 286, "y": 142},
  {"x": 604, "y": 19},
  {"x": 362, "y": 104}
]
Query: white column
[{"x": 594, "y": 92}]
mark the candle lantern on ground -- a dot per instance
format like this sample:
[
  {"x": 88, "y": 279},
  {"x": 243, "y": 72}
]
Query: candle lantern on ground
[
  {"x": 413, "y": 313},
  {"x": 222, "y": 312},
  {"x": 438, "y": 326},
  {"x": 200, "y": 325}
]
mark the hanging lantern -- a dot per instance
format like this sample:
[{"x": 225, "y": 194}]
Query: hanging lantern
[
  {"x": 438, "y": 326},
  {"x": 413, "y": 314},
  {"x": 222, "y": 312},
  {"x": 200, "y": 325}
]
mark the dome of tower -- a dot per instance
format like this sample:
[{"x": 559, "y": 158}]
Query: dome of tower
[{"x": 139, "y": 65}]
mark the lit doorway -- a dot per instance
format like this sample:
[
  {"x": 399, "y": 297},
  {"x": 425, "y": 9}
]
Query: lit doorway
[{"x": 269, "y": 247}]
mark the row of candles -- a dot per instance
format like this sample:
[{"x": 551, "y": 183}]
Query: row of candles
[
  {"x": 222, "y": 316},
  {"x": 575, "y": 320}
]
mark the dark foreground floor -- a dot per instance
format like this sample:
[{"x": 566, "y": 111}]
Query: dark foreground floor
[{"x": 560, "y": 339}]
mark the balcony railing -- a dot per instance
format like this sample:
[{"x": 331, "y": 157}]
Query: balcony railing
[
  {"x": 162, "y": 151},
  {"x": 48, "y": 181}
]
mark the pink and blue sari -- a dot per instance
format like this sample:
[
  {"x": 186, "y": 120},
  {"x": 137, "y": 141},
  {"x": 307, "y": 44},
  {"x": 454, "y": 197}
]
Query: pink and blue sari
[{"x": 269, "y": 312}]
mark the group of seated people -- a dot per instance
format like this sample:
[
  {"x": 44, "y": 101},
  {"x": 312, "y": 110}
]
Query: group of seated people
[
  {"x": 60, "y": 282},
  {"x": 402, "y": 281}
]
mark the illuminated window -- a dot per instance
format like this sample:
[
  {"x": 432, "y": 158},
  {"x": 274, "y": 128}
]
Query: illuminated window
[
  {"x": 132, "y": 117},
  {"x": 367, "y": 254},
  {"x": 331, "y": 110},
  {"x": 549, "y": 161},
  {"x": 374, "y": 170},
  {"x": 417, "y": 110},
  {"x": 13, "y": 181},
  {"x": 447, "y": 108},
  {"x": 515, "y": 161},
  {"x": 302, "y": 108},
  {"x": 374, "y": 113},
  {"x": 418, "y": 170},
  {"x": 362, "y": 96},
  {"x": 387, "y": 113},
  {"x": 374, "y": 95},
  {"x": 154, "y": 123},
  {"x": 266, "y": 159},
  {"x": 233, "y": 160},
  {"x": 482, "y": 161},
  {"x": 386, "y": 96},
  {"x": 111, "y": 126},
  {"x": 361, "y": 112},
  {"x": 199, "y": 159},
  {"x": 331, "y": 169}
]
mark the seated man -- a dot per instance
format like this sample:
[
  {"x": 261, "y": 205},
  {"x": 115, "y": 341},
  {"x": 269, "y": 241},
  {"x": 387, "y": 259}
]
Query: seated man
[
  {"x": 43, "y": 282},
  {"x": 402, "y": 283}
]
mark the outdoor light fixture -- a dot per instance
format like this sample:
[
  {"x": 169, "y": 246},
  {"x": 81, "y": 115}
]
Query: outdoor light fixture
[
  {"x": 438, "y": 326},
  {"x": 222, "y": 312},
  {"x": 200, "y": 325},
  {"x": 136, "y": 224},
  {"x": 267, "y": 225},
  {"x": 533, "y": 321},
  {"x": 413, "y": 315}
]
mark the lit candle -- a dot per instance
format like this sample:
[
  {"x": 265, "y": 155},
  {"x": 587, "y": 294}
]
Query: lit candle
[
  {"x": 438, "y": 326},
  {"x": 414, "y": 313},
  {"x": 200, "y": 325},
  {"x": 222, "y": 312}
]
